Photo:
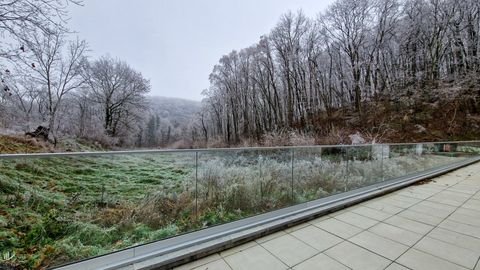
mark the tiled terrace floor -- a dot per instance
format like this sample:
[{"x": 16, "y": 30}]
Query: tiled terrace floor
[{"x": 430, "y": 226}]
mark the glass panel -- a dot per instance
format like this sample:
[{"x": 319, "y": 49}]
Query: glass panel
[
  {"x": 402, "y": 160},
  {"x": 364, "y": 166},
  {"x": 318, "y": 172},
  {"x": 439, "y": 154},
  {"x": 468, "y": 149},
  {"x": 237, "y": 184}
]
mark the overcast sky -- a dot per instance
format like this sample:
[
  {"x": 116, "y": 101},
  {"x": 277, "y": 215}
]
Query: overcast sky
[{"x": 176, "y": 43}]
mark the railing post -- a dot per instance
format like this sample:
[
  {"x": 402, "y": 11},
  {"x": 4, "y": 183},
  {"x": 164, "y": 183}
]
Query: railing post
[
  {"x": 381, "y": 162},
  {"x": 196, "y": 185},
  {"x": 347, "y": 158},
  {"x": 260, "y": 160},
  {"x": 293, "y": 158},
  {"x": 423, "y": 158}
]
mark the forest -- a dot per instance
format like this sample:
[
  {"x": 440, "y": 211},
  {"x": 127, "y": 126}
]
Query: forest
[{"x": 389, "y": 70}]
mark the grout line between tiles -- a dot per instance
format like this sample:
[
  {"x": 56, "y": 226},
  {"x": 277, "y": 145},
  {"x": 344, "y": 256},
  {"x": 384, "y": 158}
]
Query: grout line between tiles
[{"x": 434, "y": 227}]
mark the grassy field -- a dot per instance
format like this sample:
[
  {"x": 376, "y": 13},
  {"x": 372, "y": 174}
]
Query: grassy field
[{"x": 57, "y": 210}]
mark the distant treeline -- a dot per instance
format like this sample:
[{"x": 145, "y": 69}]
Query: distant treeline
[{"x": 352, "y": 54}]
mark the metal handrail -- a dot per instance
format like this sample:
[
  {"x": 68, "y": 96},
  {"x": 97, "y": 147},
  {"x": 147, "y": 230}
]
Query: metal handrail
[{"x": 166, "y": 151}]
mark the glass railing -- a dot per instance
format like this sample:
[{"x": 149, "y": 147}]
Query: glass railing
[{"x": 59, "y": 208}]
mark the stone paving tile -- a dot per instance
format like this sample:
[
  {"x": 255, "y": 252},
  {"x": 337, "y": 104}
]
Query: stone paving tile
[
  {"x": 418, "y": 260},
  {"x": 462, "y": 188},
  {"x": 448, "y": 181},
  {"x": 236, "y": 249},
  {"x": 460, "y": 228},
  {"x": 254, "y": 258},
  {"x": 449, "y": 252},
  {"x": 473, "y": 184},
  {"x": 396, "y": 266},
  {"x": 472, "y": 204},
  {"x": 296, "y": 228},
  {"x": 200, "y": 262},
  {"x": 435, "y": 212},
  {"x": 468, "y": 212},
  {"x": 394, "y": 233},
  {"x": 320, "y": 261},
  {"x": 456, "y": 239},
  {"x": 338, "y": 228},
  {"x": 414, "y": 194},
  {"x": 270, "y": 237},
  {"x": 439, "y": 206},
  {"x": 356, "y": 257},
  {"x": 378, "y": 244},
  {"x": 371, "y": 213},
  {"x": 426, "y": 190},
  {"x": 317, "y": 220},
  {"x": 421, "y": 217},
  {"x": 317, "y": 238},
  {"x": 339, "y": 212},
  {"x": 289, "y": 249},
  {"x": 357, "y": 220},
  {"x": 455, "y": 195},
  {"x": 461, "y": 218},
  {"x": 383, "y": 207},
  {"x": 215, "y": 265},
  {"x": 470, "y": 207},
  {"x": 398, "y": 196},
  {"x": 448, "y": 199},
  {"x": 398, "y": 201},
  {"x": 408, "y": 224}
]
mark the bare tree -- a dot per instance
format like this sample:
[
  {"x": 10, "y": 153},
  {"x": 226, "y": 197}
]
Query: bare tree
[
  {"x": 25, "y": 95},
  {"x": 55, "y": 65},
  {"x": 18, "y": 17},
  {"x": 347, "y": 22},
  {"x": 119, "y": 90}
]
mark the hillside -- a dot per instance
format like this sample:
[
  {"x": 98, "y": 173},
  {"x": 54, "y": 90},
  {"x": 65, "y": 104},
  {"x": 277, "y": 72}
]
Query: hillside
[
  {"x": 394, "y": 75},
  {"x": 19, "y": 144},
  {"x": 11, "y": 144},
  {"x": 174, "y": 110},
  {"x": 169, "y": 122}
]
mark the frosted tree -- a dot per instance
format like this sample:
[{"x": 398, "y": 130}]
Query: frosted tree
[
  {"x": 55, "y": 65},
  {"x": 20, "y": 17},
  {"x": 120, "y": 92}
]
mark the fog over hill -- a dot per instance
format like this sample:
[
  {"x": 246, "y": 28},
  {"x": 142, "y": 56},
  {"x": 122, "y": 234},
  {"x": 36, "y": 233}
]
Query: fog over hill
[
  {"x": 170, "y": 120},
  {"x": 176, "y": 110}
]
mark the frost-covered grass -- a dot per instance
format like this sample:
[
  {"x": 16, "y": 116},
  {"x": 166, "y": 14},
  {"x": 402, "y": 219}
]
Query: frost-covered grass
[
  {"x": 56, "y": 210},
  {"x": 60, "y": 209}
]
